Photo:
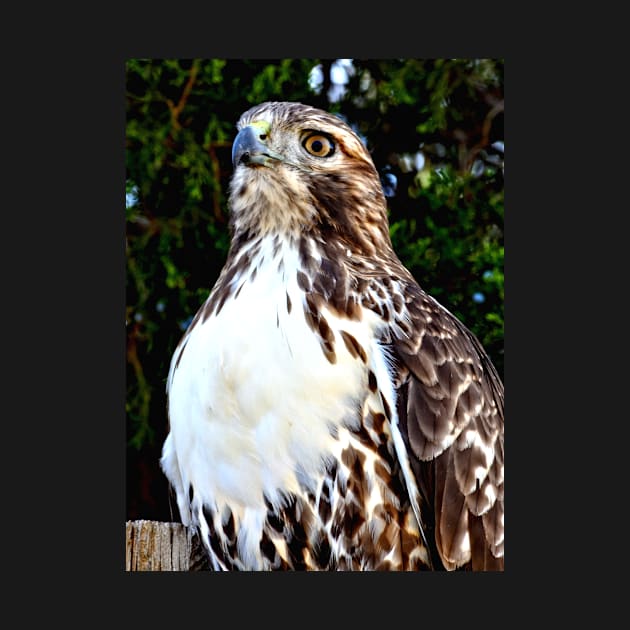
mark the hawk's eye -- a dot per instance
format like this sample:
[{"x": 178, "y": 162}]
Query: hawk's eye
[{"x": 319, "y": 145}]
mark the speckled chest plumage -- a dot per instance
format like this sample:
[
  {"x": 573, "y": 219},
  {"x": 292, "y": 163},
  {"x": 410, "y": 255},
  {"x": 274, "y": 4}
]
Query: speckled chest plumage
[{"x": 282, "y": 432}]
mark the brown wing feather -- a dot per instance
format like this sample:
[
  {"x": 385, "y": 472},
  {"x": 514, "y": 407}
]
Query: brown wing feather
[{"x": 450, "y": 408}]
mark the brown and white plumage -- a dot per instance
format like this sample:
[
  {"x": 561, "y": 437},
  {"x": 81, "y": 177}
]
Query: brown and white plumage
[{"x": 325, "y": 412}]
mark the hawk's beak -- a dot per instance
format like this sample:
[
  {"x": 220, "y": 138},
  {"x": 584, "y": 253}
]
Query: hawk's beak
[{"x": 250, "y": 146}]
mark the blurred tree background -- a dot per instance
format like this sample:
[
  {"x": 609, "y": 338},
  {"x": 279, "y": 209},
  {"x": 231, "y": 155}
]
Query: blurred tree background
[{"x": 435, "y": 131}]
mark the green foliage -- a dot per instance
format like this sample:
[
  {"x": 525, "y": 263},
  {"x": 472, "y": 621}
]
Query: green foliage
[{"x": 446, "y": 215}]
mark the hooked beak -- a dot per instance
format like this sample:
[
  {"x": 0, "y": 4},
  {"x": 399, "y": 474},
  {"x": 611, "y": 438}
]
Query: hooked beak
[{"x": 250, "y": 146}]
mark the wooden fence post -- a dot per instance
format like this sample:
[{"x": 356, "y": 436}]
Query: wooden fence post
[{"x": 156, "y": 546}]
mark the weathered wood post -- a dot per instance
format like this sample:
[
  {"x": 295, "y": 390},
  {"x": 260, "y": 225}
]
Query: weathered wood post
[{"x": 156, "y": 546}]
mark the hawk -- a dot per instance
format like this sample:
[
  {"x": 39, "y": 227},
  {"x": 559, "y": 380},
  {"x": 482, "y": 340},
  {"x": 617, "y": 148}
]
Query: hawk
[{"x": 325, "y": 413}]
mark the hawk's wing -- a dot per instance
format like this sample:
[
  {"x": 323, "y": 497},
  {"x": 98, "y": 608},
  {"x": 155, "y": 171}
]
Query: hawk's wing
[{"x": 450, "y": 410}]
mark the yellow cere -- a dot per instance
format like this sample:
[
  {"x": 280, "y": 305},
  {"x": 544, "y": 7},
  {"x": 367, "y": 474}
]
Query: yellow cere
[{"x": 261, "y": 125}]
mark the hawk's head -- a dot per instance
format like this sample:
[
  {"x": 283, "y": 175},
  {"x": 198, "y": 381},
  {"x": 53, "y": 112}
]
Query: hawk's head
[{"x": 298, "y": 168}]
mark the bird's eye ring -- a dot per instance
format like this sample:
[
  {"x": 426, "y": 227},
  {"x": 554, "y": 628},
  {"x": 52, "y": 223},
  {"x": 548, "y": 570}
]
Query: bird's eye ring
[{"x": 319, "y": 145}]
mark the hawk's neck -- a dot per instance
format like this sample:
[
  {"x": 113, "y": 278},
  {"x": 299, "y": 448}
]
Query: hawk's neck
[{"x": 319, "y": 268}]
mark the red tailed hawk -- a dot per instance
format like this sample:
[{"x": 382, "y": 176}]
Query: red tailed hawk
[{"x": 325, "y": 412}]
